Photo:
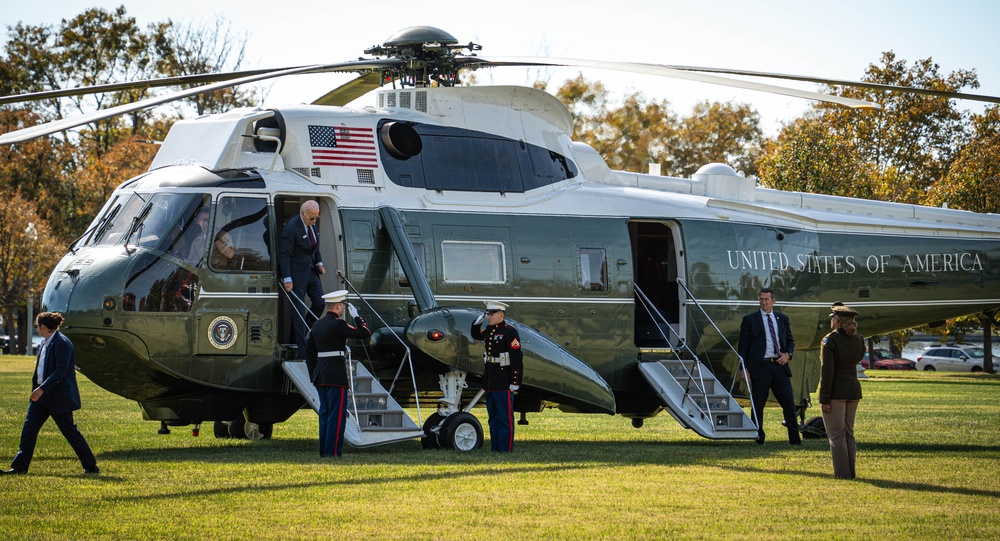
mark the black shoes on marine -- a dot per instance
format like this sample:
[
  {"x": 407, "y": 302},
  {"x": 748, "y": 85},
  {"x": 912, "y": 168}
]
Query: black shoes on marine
[
  {"x": 13, "y": 472},
  {"x": 92, "y": 471}
]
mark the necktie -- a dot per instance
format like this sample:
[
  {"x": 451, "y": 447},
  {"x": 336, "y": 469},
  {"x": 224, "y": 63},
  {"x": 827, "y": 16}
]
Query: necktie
[
  {"x": 312, "y": 237},
  {"x": 774, "y": 335}
]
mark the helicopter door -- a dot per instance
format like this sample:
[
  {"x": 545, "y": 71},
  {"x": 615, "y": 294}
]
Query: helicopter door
[
  {"x": 238, "y": 293},
  {"x": 286, "y": 208},
  {"x": 656, "y": 271}
]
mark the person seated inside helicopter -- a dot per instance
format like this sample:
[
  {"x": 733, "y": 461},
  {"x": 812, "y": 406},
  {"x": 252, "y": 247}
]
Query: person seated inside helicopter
[
  {"x": 223, "y": 251},
  {"x": 196, "y": 246}
]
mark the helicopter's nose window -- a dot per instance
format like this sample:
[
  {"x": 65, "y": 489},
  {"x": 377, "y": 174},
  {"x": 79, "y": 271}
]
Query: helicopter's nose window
[{"x": 241, "y": 239}]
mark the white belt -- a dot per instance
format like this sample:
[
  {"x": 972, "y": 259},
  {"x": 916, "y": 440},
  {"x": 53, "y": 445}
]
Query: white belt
[{"x": 331, "y": 354}]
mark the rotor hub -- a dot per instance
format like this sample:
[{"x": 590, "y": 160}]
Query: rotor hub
[{"x": 427, "y": 55}]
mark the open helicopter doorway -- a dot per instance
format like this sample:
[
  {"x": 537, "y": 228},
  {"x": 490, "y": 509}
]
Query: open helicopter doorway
[
  {"x": 659, "y": 319},
  {"x": 286, "y": 208}
]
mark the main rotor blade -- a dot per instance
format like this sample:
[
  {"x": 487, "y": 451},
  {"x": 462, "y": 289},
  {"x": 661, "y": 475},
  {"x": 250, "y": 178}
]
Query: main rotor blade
[
  {"x": 132, "y": 85},
  {"x": 844, "y": 82},
  {"x": 667, "y": 71},
  {"x": 350, "y": 91},
  {"x": 49, "y": 128}
]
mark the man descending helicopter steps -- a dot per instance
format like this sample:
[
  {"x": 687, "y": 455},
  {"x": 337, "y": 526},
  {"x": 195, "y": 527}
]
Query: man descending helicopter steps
[
  {"x": 502, "y": 373},
  {"x": 301, "y": 267}
]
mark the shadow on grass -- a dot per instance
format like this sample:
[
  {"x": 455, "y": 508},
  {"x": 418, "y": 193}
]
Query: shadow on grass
[
  {"x": 880, "y": 483},
  {"x": 353, "y": 481}
]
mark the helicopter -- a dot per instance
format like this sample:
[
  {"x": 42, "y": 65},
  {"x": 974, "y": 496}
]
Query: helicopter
[{"x": 627, "y": 289}]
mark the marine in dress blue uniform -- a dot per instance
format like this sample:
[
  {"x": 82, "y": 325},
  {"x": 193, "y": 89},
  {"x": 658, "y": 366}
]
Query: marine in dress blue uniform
[
  {"x": 326, "y": 355},
  {"x": 55, "y": 394},
  {"x": 502, "y": 374}
]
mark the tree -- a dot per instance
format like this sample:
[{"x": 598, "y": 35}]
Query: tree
[
  {"x": 24, "y": 260},
  {"x": 895, "y": 154},
  {"x": 638, "y": 132},
  {"x": 973, "y": 181},
  {"x": 194, "y": 50},
  {"x": 719, "y": 132},
  {"x": 629, "y": 137}
]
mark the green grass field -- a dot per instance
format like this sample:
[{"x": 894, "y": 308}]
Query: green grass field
[{"x": 928, "y": 466}]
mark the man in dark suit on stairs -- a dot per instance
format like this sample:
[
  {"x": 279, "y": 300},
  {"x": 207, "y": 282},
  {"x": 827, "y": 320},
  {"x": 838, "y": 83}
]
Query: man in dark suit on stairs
[
  {"x": 766, "y": 346},
  {"x": 54, "y": 394},
  {"x": 301, "y": 266}
]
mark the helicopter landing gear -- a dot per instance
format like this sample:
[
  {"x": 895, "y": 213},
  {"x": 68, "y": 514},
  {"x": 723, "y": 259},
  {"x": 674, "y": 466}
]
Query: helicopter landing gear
[
  {"x": 814, "y": 429},
  {"x": 450, "y": 427},
  {"x": 461, "y": 432},
  {"x": 432, "y": 427},
  {"x": 240, "y": 428}
]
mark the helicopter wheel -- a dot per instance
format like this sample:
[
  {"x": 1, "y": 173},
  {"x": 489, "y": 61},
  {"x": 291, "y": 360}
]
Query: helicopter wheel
[
  {"x": 462, "y": 432},
  {"x": 222, "y": 429},
  {"x": 814, "y": 429},
  {"x": 242, "y": 429},
  {"x": 430, "y": 439}
]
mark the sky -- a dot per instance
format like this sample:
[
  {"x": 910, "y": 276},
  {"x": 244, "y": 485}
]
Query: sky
[{"x": 818, "y": 38}]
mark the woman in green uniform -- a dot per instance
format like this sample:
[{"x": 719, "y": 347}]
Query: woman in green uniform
[{"x": 839, "y": 389}]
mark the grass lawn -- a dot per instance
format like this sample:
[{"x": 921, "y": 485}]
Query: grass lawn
[{"x": 928, "y": 466}]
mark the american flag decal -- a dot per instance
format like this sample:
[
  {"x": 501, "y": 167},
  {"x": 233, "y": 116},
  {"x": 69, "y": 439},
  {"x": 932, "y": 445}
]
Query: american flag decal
[{"x": 342, "y": 146}]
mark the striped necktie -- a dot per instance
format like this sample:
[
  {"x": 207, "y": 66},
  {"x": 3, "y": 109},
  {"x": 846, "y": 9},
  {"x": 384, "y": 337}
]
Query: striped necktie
[{"x": 774, "y": 335}]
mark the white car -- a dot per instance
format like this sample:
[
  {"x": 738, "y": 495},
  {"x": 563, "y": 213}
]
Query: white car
[{"x": 954, "y": 358}]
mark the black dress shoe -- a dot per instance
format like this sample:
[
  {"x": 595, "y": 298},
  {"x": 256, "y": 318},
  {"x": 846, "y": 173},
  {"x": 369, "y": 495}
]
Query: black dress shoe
[
  {"x": 13, "y": 472},
  {"x": 760, "y": 441},
  {"x": 92, "y": 471},
  {"x": 795, "y": 444}
]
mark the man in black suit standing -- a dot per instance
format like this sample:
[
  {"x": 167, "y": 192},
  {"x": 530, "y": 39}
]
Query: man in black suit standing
[
  {"x": 55, "y": 394},
  {"x": 301, "y": 266},
  {"x": 766, "y": 346}
]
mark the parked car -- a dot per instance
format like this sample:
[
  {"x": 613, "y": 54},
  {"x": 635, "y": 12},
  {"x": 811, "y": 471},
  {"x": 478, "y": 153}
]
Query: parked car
[
  {"x": 6, "y": 340},
  {"x": 955, "y": 358},
  {"x": 885, "y": 360}
]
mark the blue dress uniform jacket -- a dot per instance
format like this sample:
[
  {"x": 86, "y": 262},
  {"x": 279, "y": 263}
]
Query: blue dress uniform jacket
[
  {"x": 500, "y": 339},
  {"x": 330, "y": 334},
  {"x": 838, "y": 364},
  {"x": 327, "y": 361}
]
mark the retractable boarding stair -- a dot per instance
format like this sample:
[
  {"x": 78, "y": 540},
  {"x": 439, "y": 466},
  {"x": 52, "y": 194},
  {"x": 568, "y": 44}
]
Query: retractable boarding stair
[
  {"x": 374, "y": 417},
  {"x": 698, "y": 401}
]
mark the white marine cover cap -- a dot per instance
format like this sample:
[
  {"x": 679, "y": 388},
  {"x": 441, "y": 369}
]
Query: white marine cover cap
[
  {"x": 495, "y": 305},
  {"x": 335, "y": 296}
]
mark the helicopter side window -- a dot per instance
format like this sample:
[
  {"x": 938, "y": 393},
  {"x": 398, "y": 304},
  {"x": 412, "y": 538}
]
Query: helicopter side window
[
  {"x": 241, "y": 239},
  {"x": 593, "y": 269},
  {"x": 470, "y": 262},
  {"x": 155, "y": 284},
  {"x": 418, "y": 253}
]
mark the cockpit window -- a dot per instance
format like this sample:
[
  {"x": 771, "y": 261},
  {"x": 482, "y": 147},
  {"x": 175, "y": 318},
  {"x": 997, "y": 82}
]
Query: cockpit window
[
  {"x": 117, "y": 219},
  {"x": 241, "y": 239}
]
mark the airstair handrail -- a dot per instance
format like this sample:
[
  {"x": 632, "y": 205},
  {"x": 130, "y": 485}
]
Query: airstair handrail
[
  {"x": 406, "y": 360},
  {"x": 654, "y": 313},
  {"x": 741, "y": 368}
]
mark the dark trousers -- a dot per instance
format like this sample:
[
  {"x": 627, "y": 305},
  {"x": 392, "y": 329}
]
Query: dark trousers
[
  {"x": 500, "y": 408},
  {"x": 37, "y": 415},
  {"x": 301, "y": 325},
  {"x": 775, "y": 380},
  {"x": 332, "y": 419}
]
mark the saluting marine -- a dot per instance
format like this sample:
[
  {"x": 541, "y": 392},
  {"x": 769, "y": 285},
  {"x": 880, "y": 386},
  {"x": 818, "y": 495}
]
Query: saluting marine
[
  {"x": 502, "y": 373},
  {"x": 326, "y": 357}
]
